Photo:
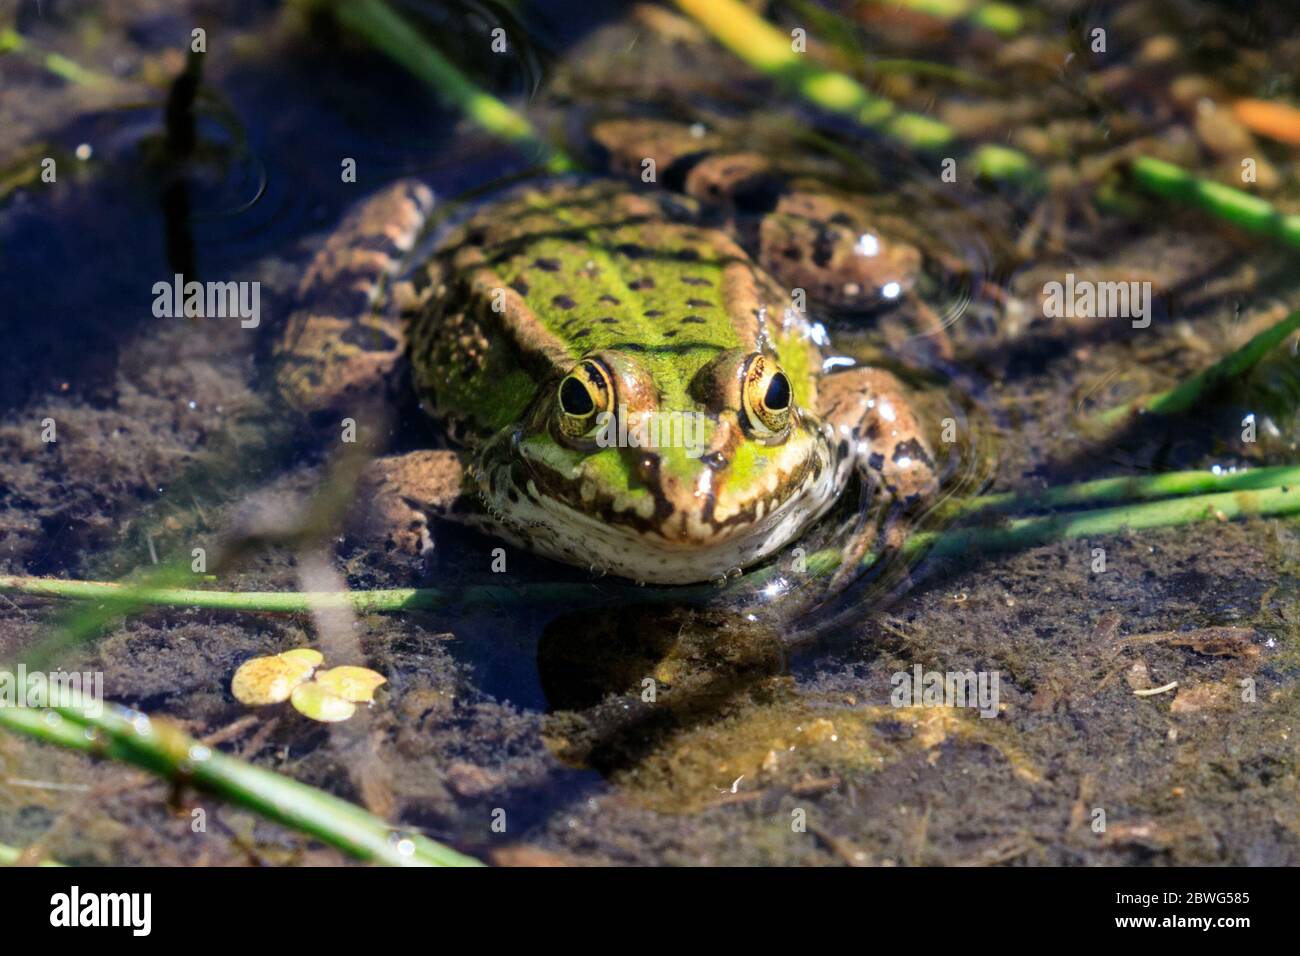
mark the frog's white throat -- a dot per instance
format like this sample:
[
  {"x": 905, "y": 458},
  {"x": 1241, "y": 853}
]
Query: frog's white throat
[{"x": 521, "y": 513}]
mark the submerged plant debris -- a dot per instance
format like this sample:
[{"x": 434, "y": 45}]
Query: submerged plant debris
[{"x": 1146, "y": 679}]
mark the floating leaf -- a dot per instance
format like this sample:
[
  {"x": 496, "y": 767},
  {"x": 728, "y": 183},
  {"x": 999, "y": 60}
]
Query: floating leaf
[
  {"x": 317, "y": 702},
  {"x": 356, "y": 684},
  {"x": 309, "y": 656},
  {"x": 270, "y": 680}
]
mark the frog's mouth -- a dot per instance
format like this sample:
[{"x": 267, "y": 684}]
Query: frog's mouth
[{"x": 670, "y": 534}]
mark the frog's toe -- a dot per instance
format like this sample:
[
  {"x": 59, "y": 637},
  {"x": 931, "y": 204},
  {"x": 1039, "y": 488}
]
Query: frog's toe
[
  {"x": 397, "y": 526},
  {"x": 388, "y": 523},
  {"x": 397, "y": 497}
]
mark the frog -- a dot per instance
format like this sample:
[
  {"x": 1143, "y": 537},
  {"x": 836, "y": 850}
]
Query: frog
[{"x": 554, "y": 331}]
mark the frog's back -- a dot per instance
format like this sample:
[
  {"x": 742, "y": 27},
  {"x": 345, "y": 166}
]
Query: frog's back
[{"x": 535, "y": 281}]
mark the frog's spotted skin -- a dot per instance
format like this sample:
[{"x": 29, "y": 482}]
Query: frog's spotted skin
[
  {"x": 660, "y": 302},
  {"x": 807, "y": 236},
  {"x": 682, "y": 321},
  {"x": 579, "y": 270},
  {"x": 824, "y": 244},
  {"x": 344, "y": 338}
]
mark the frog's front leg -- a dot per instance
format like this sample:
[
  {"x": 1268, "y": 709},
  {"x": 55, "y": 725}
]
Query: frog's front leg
[
  {"x": 868, "y": 409},
  {"x": 398, "y": 495}
]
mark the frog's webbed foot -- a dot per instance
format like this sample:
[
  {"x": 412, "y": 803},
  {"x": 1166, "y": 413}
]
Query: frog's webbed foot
[
  {"x": 398, "y": 496},
  {"x": 345, "y": 337},
  {"x": 868, "y": 407}
]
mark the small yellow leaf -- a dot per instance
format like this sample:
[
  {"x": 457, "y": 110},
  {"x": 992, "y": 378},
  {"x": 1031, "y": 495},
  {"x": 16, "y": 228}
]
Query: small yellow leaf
[
  {"x": 305, "y": 655},
  {"x": 270, "y": 680},
  {"x": 356, "y": 684},
  {"x": 317, "y": 702}
]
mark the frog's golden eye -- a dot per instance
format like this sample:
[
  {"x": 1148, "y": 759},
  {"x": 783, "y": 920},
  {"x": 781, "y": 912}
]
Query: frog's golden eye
[
  {"x": 582, "y": 396},
  {"x": 766, "y": 396}
]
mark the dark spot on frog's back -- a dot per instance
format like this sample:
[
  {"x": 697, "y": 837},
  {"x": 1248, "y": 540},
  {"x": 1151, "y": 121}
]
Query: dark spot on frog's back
[
  {"x": 547, "y": 265},
  {"x": 695, "y": 280},
  {"x": 693, "y": 320},
  {"x": 348, "y": 291},
  {"x": 520, "y": 286},
  {"x": 368, "y": 338},
  {"x": 643, "y": 283},
  {"x": 609, "y": 298},
  {"x": 757, "y": 194},
  {"x": 912, "y": 449},
  {"x": 563, "y": 302},
  {"x": 697, "y": 303},
  {"x": 632, "y": 250},
  {"x": 823, "y": 248}
]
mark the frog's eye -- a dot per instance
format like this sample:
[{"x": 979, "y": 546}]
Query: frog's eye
[
  {"x": 583, "y": 395},
  {"x": 766, "y": 396}
]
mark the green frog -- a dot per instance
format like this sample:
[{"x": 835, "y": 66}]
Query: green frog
[
  {"x": 629, "y": 364},
  {"x": 630, "y": 387}
]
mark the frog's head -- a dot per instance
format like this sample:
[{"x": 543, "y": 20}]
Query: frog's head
[{"x": 661, "y": 473}]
